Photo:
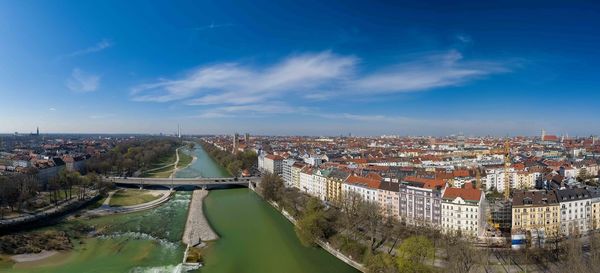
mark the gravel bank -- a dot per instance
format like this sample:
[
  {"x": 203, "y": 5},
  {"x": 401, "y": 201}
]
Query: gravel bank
[{"x": 197, "y": 228}]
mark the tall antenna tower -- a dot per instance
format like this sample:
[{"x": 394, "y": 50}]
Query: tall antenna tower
[{"x": 178, "y": 131}]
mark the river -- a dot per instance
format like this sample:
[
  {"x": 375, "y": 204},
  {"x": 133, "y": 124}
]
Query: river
[{"x": 255, "y": 238}]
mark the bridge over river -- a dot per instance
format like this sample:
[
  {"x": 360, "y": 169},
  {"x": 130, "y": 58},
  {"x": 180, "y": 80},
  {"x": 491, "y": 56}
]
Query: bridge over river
[{"x": 174, "y": 183}]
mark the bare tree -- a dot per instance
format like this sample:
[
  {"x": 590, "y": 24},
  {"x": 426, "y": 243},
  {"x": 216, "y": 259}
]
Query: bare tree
[
  {"x": 370, "y": 214},
  {"x": 350, "y": 207},
  {"x": 461, "y": 255}
]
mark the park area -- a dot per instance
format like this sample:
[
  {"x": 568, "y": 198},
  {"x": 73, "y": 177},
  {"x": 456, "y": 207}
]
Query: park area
[
  {"x": 130, "y": 197},
  {"x": 166, "y": 165}
]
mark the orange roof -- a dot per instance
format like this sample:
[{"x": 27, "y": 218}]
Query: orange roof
[
  {"x": 374, "y": 176},
  {"x": 358, "y": 160},
  {"x": 428, "y": 183},
  {"x": 460, "y": 173},
  {"x": 468, "y": 193},
  {"x": 550, "y": 138},
  {"x": 364, "y": 181},
  {"x": 518, "y": 166}
]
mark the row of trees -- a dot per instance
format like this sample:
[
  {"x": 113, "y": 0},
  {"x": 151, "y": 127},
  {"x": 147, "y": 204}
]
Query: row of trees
[
  {"x": 16, "y": 190},
  {"x": 360, "y": 231},
  {"x": 66, "y": 183},
  {"x": 133, "y": 155},
  {"x": 21, "y": 192},
  {"x": 234, "y": 163}
]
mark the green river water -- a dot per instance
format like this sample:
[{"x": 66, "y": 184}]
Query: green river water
[{"x": 255, "y": 238}]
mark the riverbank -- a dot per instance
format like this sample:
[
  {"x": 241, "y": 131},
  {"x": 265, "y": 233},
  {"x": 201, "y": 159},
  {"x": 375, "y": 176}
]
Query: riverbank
[
  {"x": 166, "y": 169},
  {"x": 183, "y": 161},
  {"x": 47, "y": 216},
  {"x": 324, "y": 245},
  {"x": 197, "y": 229}
]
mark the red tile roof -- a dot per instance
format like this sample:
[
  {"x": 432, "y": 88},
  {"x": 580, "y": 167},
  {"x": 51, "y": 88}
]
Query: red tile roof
[
  {"x": 364, "y": 181},
  {"x": 550, "y": 138},
  {"x": 468, "y": 193},
  {"x": 428, "y": 183}
]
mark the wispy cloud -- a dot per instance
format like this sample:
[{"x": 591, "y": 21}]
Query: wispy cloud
[
  {"x": 82, "y": 82},
  {"x": 102, "y": 45},
  {"x": 429, "y": 72},
  {"x": 51, "y": 109},
  {"x": 252, "y": 110},
  {"x": 228, "y": 88},
  {"x": 233, "y": 83},
  {"x": 213, "y": 26},
  {"x": 463, "y": 38}
]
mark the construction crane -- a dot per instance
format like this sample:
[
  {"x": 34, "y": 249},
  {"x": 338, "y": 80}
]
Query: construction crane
[
  {"x": 478, "y": 178},
  {"x": 506, "y": 169}
]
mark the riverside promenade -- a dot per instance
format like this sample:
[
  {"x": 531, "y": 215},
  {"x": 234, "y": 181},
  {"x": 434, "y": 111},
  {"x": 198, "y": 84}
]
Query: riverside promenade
[{"x": 197, "y": 228}]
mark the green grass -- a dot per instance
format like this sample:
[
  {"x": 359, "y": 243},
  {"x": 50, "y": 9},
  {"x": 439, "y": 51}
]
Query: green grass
[
  {"x": 165, "y": 160},
  {"x": 184, "y": 159},
  {"x": 131, "y": 197},
  {"x": 165, "y": 174},
  {"x": 160, "y": 173},
  {"x": 98, "y": 203}
]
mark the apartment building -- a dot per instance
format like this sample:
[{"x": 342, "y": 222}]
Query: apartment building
[
  {"x": 389, "y": 199},
  {"x": 421, "y": 200},
  {"x": 366, "y": 187},
  {"x": 575, "y": 210},
  {"x": 286, "y": 171},
  {"x": 463, "y": 211},
  {"x": 334, "y": 181},
  {"x": 536, "y": 213}
]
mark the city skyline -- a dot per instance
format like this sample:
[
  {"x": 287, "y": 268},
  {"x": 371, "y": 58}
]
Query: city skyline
[{"x": 287, "y": 69}]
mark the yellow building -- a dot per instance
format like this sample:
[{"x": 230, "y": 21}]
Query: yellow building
[
  {"x": 334, "y": 180},
  {"x": 536, "y": 213},
  {"x": 295, "y": 174}
]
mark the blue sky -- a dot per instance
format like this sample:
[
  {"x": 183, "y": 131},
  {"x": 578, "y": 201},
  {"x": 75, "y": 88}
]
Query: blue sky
[{"x": 310, "y": 67}]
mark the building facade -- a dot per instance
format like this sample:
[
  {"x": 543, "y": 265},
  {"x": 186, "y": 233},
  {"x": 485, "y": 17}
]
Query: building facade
[
  {"x": 536, "y": 213},
  {"x": 463, "y": 211},
  {"x": 273, "y": 164},
  {"x": 421, "y": 202},
  {"x": 389, "y": 199},
  {"x": 575, "y": 211}
]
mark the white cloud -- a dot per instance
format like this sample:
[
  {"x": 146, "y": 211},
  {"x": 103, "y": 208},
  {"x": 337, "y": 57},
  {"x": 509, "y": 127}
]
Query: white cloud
[
  {"x": 464, "y": 38},
  {"x": 81, "y": 81},
  {"x": 52, "y": 109},
  {"x": 233, "y": 83},
  {"x": 252, "y": 110},
  {"x": 227, "y": 89},
  {"x": 102, "y": 45},
  {"x": 431, "y": 71}
]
